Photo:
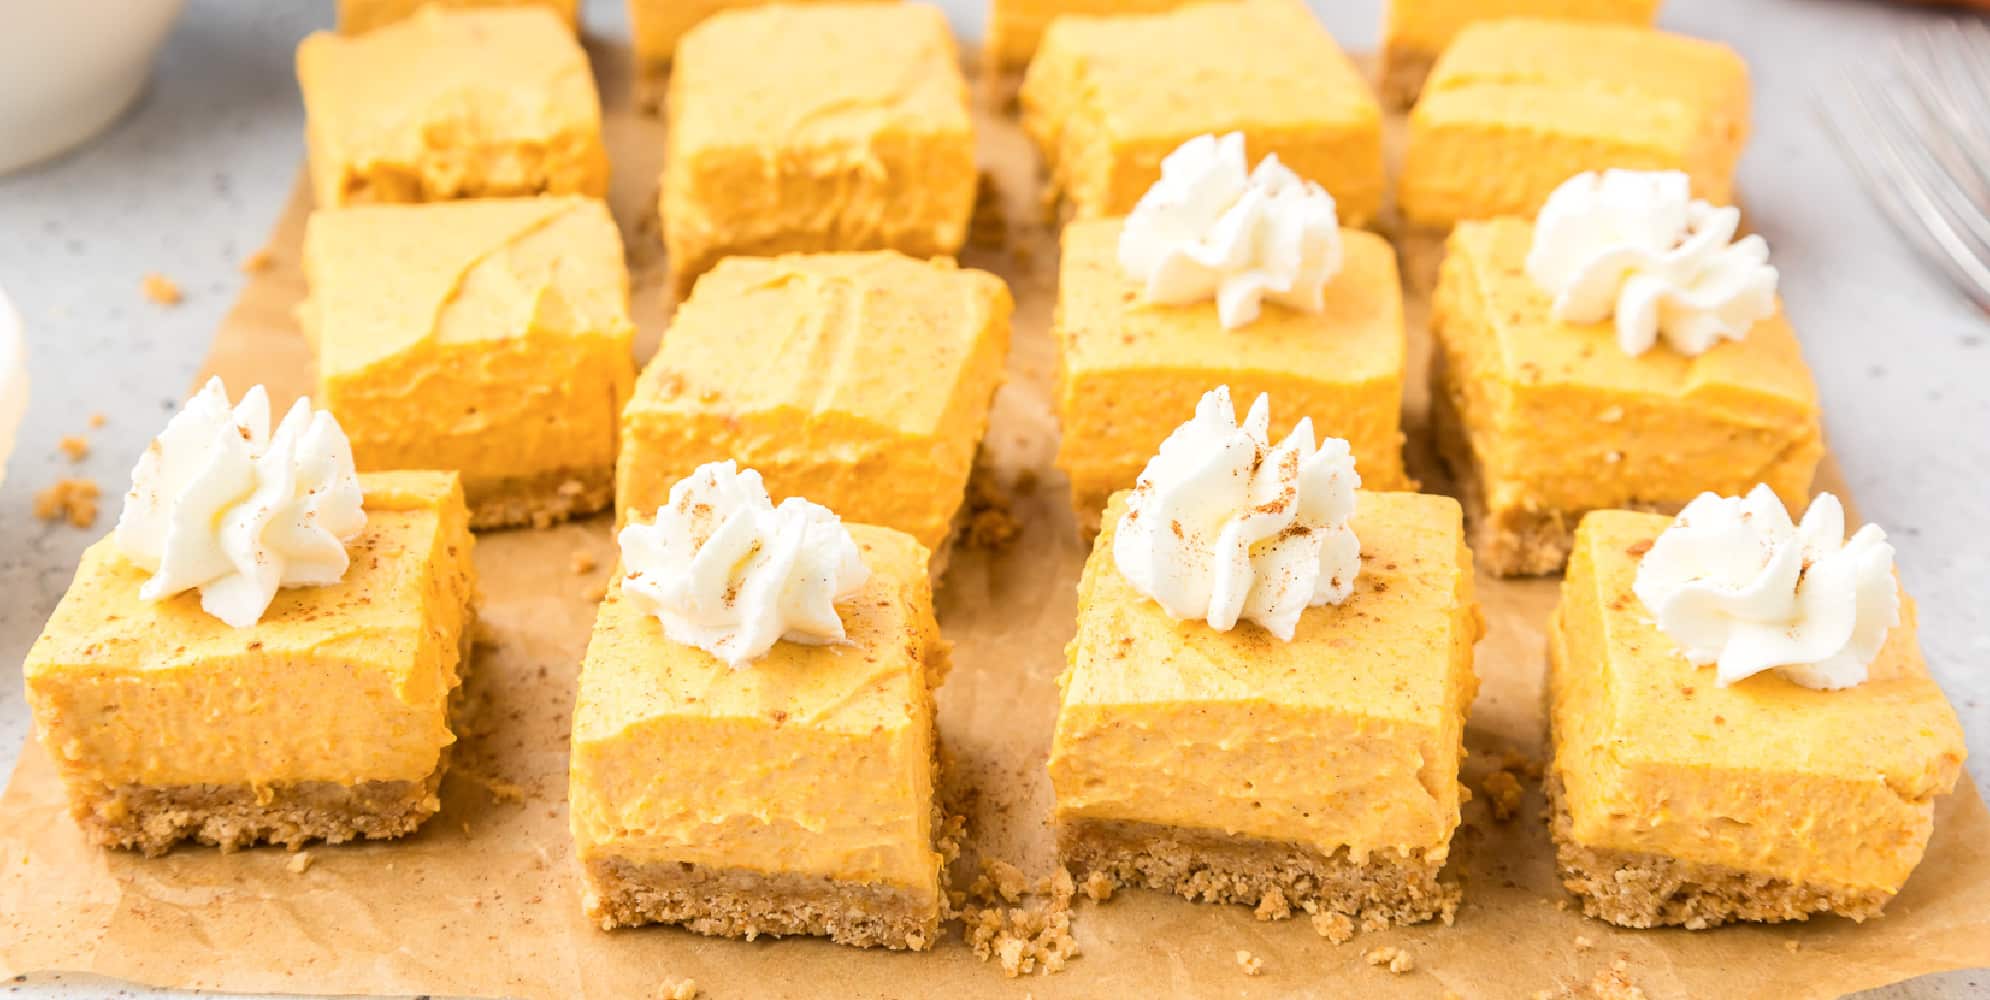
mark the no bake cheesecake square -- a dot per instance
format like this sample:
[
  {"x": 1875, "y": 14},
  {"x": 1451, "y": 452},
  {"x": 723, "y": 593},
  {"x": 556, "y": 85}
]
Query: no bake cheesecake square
[
  {"x": 817, "y": 127},
  {"x": 357, "y": 17},
  {"x": 859, "y": 381},
  {"x": 1130, "y": 371},
  {"x": 1106, "y": 98},
  {"x": 1543, "y": 421},
  {"x": 488, "y": 337},
  {"x": 452, "y": 103},
  {"x": 1515, "y": 107},
  {"x": 790, "y": 796},
  {"x": 1224, "y": 766},
  {"x": 1675, "y": 801},
  {"x": 1016, "y": 27},
  {"x": 327, "y": 720},
  {"x": 1416, "y": 32}
]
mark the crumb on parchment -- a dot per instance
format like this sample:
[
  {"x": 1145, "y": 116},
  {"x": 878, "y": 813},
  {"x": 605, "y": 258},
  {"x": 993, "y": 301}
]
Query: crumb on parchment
[
  {"x": 72, "y": 500},
  {"x": 1396, "y": 960},
  {"x": 299, "y": 863},
  {"x": 1273, "y": 905},
  {"x": 161, "y": 290},
  {"x": 1023, "y": 927},
  {"x": 1249, "y": 963},
  {"x": 678, "y": 989},
  {"x": 98, "y": 420},
  {"x": 584, "y": 562},
  {"x": 258, "y": 262},
  {"x": 1099, "y": 886},
  {"x": 75, "y": 446},
  {"x": 1335, "y": 927},
  {"x": 1503, "y": 794}
]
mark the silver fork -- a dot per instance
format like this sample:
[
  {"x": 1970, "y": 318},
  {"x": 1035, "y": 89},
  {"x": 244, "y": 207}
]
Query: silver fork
[{"x": 1916, "y": 131}]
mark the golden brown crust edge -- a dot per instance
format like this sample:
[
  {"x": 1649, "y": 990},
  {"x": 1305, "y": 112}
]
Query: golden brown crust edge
[
  {"x": 746, "y": 904},
  {"x": 1212, "y": 867}
]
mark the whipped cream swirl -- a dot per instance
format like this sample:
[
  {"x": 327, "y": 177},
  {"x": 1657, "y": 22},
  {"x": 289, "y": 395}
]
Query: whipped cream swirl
[
  {"x": 1211, "y": 228},
  {"x": 1736, "y": 584},
  {"x": 728, "y": 572},
  {"x": 220, "y": 504},
  {"x": 1224, "y": 526},
  {"x": 1637, "y": 246},
  {"x": 13, "y": 379}
]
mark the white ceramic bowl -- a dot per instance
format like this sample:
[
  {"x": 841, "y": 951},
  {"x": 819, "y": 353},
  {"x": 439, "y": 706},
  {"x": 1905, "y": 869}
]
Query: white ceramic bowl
[
  {"x": 69, "y": 67},
  {"x": 13, "y": 379}
]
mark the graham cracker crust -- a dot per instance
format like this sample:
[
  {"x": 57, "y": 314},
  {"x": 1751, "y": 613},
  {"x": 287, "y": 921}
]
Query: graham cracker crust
[
  {"x": 153, "y": 818},
  {"x": 1403, "y": 73},
  {"x": 1212, "y": 867},
  {"x": 541, "y": 500},
  {"x": 1510, "y": 542},
  {"x": 1638, "y": 890},
  {"x": 746, "y": 904}
]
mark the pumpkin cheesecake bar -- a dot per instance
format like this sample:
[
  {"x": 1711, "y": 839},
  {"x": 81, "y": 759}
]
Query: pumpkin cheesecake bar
[
  {"x": 861, "y": 381},
  {"x": 1128, "y": 368},
  {"x": 1107, "y": 98},
  {"x": 357, "y": 17},
  {"x": 1515, "y": 107},
  {"x": 1309, "y": 753},
  {"x": 487, "y": 102},
  {"x": 1016, "y": 27},
  {"x": 1543, "y": 411},
  {"x": 773, "y": 786},
  {"x": 1416, "y": 32},
  {"x": 246, "y": 713},
  {"x": 816, "y": 127},
  {"x": 488, "y": 337},
  {"x": 1684, "y": 795}
]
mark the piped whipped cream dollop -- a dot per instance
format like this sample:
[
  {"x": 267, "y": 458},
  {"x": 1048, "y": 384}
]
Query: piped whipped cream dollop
[
  {"x": 1224, "y": 526},
  {"x": 728, "y": 572},
  {"x": 1212, "y": 228},
  {"x": 1636, "y": 246},
  {"x": 13, "y": 379},
  {"x": 221, "y": 504},
  {"x": 1737, "y": 585}
]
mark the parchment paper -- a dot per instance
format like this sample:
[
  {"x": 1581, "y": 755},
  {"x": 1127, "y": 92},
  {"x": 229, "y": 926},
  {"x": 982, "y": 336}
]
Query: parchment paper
[{"x": 483, "y": 900}]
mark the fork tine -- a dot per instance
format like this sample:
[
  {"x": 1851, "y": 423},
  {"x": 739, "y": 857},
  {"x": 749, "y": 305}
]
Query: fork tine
[
  {"x": 1902, "y": 194},
  {"x": 1941, "y": 169}
]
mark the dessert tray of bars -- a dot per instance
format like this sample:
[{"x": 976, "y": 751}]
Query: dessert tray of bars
[{"x": 780, "y": 509}]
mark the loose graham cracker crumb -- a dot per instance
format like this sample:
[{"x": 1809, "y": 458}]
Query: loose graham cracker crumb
[
  {"x": 1615, "y": 983},
  {"x": 1273, "y": 905},
  {"x": 98, "y": 420},
  {"x": 991, "y": 522},
  {"x": 1503, "y": 794},
  {"x": 682, "y": 989},
  {"x": 1583, "y": 943},
  {"x": 161, "y": 290},
  {"x": 584, "y": 563},
  {"x": 75, "y": 447},
  {"x": 1251, "y": 964},
  {"x": 1024, "y": 928},
  {"x": 72, "y": 500},
  {"x": 1335, "y": 927},
  {"x": 258, "y": 262},
  {"x": 1099, "y": 886},
  {"x": 1398, "y": 960},
  {"x": 299, "y": 863}
]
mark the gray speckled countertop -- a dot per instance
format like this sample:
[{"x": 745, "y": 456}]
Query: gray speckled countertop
[{"x": 191, "y": 179}]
